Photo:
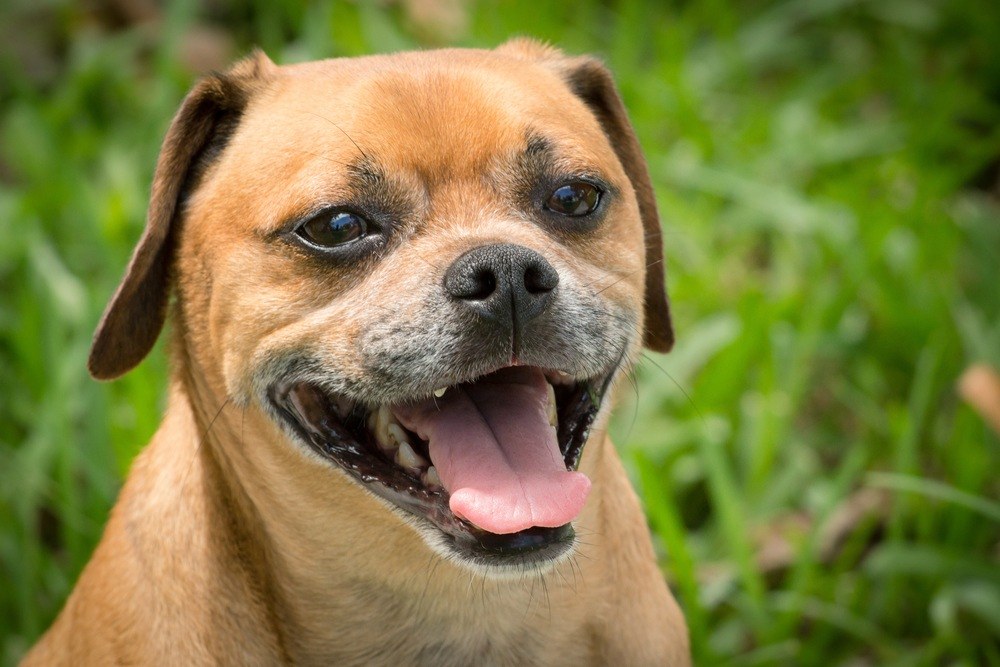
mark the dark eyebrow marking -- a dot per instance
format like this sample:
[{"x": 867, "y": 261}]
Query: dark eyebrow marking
[
  {"x": 364, "y": 173},
  {"x": 537, "y": 144},
  {"x": 362, "y": 186},
  {"x": 373, "y": 189},
  {"x": 538, "y": 156},
  {"x": 541, "y": 158}
]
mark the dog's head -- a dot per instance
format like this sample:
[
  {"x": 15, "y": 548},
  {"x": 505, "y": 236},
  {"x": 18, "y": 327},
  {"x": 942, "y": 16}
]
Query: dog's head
[{"x": 427, "y": 269}]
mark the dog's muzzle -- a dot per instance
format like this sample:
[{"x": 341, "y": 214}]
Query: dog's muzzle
[{"x": 491, "y": 460}]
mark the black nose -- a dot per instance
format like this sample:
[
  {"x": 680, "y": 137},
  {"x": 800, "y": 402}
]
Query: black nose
[{"x": 507, "y": 284}]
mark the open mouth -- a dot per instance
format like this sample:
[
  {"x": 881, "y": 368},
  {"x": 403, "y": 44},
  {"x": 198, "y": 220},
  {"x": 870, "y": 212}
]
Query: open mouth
[{"x": 491, "y": 463}]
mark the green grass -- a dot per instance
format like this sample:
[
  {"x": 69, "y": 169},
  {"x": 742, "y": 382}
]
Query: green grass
[{"x": 833, "y": 263}]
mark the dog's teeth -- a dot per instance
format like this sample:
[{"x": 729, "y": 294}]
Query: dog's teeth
[
  {"x": 430, "y": 478},
  {"x": 387, "y": 446},
  {"x": 409, "y": 460},
  {"x": 553, "y": 417},
  {"x": 438, "y": 393},
  {"x": 379, "y": 422},
  {"x": 377, "y": 419},
  {"x": 397, "y": 436}
]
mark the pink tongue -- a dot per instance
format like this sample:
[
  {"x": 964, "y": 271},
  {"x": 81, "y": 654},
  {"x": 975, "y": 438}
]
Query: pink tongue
[{"x": 496, "y": 453}]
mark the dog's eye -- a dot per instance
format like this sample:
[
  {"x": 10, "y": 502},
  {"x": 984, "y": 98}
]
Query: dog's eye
[
  {"x": 574, "y": 199},
  {"x": 333, "y": 228}
]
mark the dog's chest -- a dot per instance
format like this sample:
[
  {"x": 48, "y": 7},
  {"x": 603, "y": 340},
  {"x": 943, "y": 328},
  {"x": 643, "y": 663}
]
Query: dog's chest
[
  {"x": 391, "y": 649},
  {"x": 487, "y": 630}
]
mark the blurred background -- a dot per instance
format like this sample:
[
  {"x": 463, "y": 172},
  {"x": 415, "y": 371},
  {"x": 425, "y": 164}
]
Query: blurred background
[{"x": 828, "y": 174}]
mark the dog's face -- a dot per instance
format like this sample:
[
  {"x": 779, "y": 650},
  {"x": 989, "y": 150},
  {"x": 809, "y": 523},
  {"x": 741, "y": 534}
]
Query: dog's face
[{"x": 426, "y": 269}]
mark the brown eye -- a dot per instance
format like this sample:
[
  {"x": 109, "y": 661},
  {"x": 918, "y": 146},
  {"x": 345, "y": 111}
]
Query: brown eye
[
  {"x": 333, "y": 228},
  {"x": 574, "y": 199}
]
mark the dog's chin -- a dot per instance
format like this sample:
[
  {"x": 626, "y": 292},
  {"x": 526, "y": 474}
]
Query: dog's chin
[{"x": 373, "y": 447}]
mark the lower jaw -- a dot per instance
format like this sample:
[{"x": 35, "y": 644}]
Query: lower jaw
[
  {"x": 491, "y": 564},
  {"x": 459, "y": 541},
  {"x": 527, "y": 549}
]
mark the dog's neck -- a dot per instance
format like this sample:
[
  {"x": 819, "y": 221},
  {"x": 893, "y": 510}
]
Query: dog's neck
[{"x": 288, "y": 531}]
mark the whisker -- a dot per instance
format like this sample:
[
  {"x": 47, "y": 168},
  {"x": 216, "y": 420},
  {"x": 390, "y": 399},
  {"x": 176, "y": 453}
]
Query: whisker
[
  {"x": 202, "y": 439},
  {"x": 349, "y": 137},
  {"x": 690, "y": 400},
  {"x": 606, "y": 287}
]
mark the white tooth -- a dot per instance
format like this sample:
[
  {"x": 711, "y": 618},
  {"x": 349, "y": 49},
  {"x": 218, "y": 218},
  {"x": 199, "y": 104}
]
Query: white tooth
[
  {"x": 553, "y": 417},
  {"x": 431, "y": 479},
  {"x": 380, "y": 428},
  {"x": 440, "y": 392},
  {"x": 397, "y": 435},
  {"x": 409, "y": 459},
  {"x": 559, "y": 377},
  {"x": 384, "y": 443}
]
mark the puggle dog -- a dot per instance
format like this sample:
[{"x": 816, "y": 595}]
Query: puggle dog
[{"x": 404, "y": 290}]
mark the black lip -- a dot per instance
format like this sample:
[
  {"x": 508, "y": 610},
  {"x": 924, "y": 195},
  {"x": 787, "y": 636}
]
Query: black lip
[
  {"x": 529, "y": 540},
  {"x": 348, "y": 444}
]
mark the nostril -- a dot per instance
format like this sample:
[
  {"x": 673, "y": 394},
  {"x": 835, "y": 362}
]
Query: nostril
[
  {"x": 482, "y": 285},
  {"x": 539, "y": 279},
  {"x": 470, "y": 280}
]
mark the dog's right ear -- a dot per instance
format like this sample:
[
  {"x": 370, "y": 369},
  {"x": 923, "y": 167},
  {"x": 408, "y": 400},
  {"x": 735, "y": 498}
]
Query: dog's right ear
[{"x": 207, "y": 118}]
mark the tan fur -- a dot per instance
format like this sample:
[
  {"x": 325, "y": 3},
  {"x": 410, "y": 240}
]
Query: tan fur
[{"x": 232, "y": 545}]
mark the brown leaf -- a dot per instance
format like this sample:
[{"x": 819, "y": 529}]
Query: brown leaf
[{"x": 979, "y": 386}]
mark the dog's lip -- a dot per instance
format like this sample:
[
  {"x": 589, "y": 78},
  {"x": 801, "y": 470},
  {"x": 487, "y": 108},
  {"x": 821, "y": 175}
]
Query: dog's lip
[
  {"x": 555, "y": 376},
  {"x": 332, "y": 432}
]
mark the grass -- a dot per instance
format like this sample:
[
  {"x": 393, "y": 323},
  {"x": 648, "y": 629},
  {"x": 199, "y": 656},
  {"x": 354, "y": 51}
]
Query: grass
[{"x": 826, "y": 172}]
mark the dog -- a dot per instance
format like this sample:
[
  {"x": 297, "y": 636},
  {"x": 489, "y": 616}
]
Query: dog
[{"x": 403, "y": 290}]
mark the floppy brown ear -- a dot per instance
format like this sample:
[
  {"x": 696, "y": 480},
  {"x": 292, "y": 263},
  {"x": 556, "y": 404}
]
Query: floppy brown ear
[
  {"x": 133, "y": 319},
  {"x": 591, "y": 81}
]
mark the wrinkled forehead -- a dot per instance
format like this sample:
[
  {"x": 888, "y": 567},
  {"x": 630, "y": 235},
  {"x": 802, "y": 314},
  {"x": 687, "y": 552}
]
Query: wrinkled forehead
[{"x": 439, "y": 116}]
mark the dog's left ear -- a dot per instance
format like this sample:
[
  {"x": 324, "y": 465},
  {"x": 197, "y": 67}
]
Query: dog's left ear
[
  {"x": 209, "y": 114},
  {"x": 591, "y": 81}
]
